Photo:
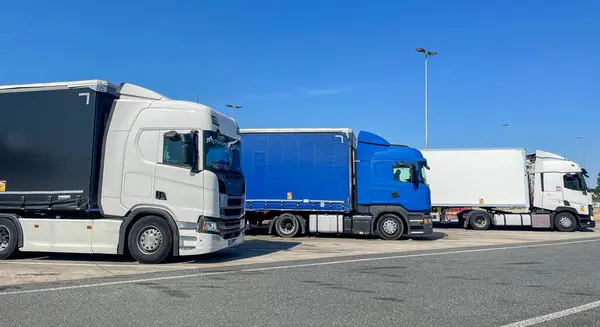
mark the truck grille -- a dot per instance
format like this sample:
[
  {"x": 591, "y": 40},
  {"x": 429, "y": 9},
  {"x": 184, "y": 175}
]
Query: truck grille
[
  {"x": 232, "y": 212},
  {"x": 230, "y": 228},
  {"x": 234, "y": 202}
]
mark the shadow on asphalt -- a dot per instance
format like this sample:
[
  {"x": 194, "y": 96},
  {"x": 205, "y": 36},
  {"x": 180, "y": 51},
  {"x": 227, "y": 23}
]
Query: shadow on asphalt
[
  {"x": 432, "y": 237},
  {"x": 248, "y": 249}
]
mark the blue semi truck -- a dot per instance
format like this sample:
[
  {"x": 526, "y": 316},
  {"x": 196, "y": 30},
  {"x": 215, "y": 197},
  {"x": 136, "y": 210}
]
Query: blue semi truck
[{"x": 303, "y": 181}]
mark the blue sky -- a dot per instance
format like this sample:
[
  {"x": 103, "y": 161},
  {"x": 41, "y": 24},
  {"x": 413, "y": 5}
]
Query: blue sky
[{"x": 309, "y": 63}]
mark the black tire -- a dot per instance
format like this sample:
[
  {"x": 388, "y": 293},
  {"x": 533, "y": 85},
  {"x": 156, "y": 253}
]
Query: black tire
[
  {"x": 159, "y": 240},
  {"x": 390, "y": 227},
  {"x": 8, "y": 238},
  {"x": 565, "y": 222},
  {"x": 480, "y": 220},
  {"x": 287, "y": 225}
]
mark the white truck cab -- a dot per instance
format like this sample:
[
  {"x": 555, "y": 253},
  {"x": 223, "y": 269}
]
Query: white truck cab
[{"x": 557, "y": 185}]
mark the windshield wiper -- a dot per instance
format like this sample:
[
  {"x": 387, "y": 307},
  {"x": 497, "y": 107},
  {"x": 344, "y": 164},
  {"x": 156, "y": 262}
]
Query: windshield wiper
[{"x": 230, "y": 144}]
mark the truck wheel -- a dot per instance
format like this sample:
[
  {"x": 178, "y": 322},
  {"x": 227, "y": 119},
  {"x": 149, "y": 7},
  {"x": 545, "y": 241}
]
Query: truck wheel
[
  {"x": 565, "y": 222},
  {"x": 390, "y": 227},
  {"x": 480, "y": 220},
  {"x": 150, "y": 240},
  {"x": 287, "y": 225},
  {"x": 8, "y": 238}
]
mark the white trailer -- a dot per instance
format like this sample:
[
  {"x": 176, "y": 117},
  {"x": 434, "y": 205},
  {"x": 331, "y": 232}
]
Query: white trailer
[
  {"x": 92, "y": 167},
  {"x": 507, "y": 187}
]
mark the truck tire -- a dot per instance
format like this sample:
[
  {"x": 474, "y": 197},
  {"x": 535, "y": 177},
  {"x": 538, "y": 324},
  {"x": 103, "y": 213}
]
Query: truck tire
[
  {"x": 8, "y": 238},
  {"x": 287, "y": 225},
  {"x": 150, "y": 240},
  {"x": 480, "y": 220},
  {"x": 565, "y": 222},
  {"x": 390, "y": 227}
]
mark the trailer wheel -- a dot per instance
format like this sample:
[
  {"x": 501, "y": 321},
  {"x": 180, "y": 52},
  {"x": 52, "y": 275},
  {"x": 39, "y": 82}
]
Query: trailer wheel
[
  {"x": 8, "y": 238},
  {"x": 150, "y": 240},
  {"x": 287, "y": 225},
  {"x": 565, "y": 222},
  {"x": 390, "y": 227},
  {"x": 480, "y": 220}
]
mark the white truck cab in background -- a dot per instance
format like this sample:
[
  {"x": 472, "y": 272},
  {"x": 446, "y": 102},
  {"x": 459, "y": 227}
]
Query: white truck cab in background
[
  {"x": 506, "y": 187},
  {"x": 134, "y": 171}
]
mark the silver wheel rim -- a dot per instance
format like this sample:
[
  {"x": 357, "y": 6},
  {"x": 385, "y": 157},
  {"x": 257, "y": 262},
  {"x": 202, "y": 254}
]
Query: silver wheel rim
[
  {"x": 565, "y": 222},
  {"x": 287, "y": 226},
  {"x": 480, "y": 222},
  {"x": 4, "y": 237},
  {"x": 149, "y": 239},
  {"x": 390, "y": 227}
]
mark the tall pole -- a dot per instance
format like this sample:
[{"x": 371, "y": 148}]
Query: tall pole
[
  {"x": 582, "y": 150},
  {"x": 426, "y": 105},
  {"x": 427, "y": 54}
]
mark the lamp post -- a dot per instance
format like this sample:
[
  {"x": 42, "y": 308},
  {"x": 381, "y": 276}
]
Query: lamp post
[
  {"x": 427, "y": 54},
  {"x": 507, "y": 126},
  {"x": 582, "y": 150},
  {"x": 233, "y": 107}
]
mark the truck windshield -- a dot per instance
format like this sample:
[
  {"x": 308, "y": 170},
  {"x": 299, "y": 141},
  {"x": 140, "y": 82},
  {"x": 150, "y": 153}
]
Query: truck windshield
[{"x": 221, "y": 152}]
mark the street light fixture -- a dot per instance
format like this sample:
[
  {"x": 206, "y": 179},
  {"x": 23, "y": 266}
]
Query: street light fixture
[
  {"x": 582, "y": 150},
  {"x": 507, "y": 126},
  {"x": 427, "y": 54},
  {"x": 233, "y": 107}
]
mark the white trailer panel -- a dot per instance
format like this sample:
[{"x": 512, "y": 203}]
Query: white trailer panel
[{"x": 477, "y": 178}]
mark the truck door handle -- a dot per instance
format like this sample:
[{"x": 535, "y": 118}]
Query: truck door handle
[
  {"x": 395, "y": 195},
  {"x": 161, "y": 195}
]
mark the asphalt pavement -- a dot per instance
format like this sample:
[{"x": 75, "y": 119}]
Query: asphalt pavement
[{"x": 487, "y": 286}]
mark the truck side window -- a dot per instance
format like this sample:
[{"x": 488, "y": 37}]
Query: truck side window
[
  {"x": 172, "y": 152},
  {"x": 573, "y": 182},
  {"x": 401, "y": 172}
]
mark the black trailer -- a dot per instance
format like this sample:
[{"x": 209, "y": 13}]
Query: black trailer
[{"x": 51, "y": 146}]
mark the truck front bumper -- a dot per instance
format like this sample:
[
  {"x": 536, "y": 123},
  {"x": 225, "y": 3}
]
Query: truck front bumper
[
  {"x": 421, "y": 226},
  {"x": 192, "y": 242},
  {"x": 587, "y": 223}
]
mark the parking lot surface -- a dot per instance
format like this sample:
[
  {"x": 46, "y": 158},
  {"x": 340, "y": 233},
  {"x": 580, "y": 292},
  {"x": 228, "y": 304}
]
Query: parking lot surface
[
  {"x": 535, "y": 282},
  {"x": 262, "y": 249}
]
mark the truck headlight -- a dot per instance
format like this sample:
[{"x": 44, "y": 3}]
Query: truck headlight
[
  {"x": 208, "y": 226},
  {"x": 242, "y": 223}
]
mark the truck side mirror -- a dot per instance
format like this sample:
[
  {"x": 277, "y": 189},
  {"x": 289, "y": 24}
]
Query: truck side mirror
[
  {"x": 414, "y": 175},
  {"x": 189, "y": 150}
]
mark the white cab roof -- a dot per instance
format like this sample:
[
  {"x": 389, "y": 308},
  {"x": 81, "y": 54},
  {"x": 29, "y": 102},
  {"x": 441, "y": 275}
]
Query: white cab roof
[{"x": 95, "y": 84}]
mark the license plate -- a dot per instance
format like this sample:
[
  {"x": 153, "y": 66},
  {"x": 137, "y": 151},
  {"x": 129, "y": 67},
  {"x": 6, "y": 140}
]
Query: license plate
[{"x": 231, "y": 242}]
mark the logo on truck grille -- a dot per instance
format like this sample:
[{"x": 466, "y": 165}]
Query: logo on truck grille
[{"x": 2, "y": 186}]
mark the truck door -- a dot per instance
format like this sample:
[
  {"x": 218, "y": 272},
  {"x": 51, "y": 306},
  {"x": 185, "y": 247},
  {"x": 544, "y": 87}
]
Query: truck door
[
  {"x": 552, "y": 195},
  {"x": 175, "y": 186},
  {"x": 392, "y": 185}
]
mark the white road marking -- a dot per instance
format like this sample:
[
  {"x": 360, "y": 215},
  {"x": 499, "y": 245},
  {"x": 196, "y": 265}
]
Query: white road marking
[
  {"x": 555, "y": 315},
  {"x": 301, "y": 265}
]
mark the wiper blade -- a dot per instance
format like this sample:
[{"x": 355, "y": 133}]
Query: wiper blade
[{"x": 230, "y": 144}]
